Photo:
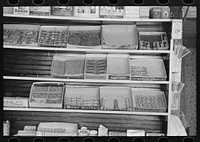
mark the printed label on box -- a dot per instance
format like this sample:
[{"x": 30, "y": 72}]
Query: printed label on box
[{"x": 177, "y": 29}]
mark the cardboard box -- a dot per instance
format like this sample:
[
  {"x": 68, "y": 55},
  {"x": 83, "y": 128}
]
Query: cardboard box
[
  {"x": 147, "y": 68},
  {"x": 21, "y": 10},
  {"x": 165, "y": 13},
  {"x": 84, "y": 37},
  {"x": 40, "y": 10},
  {"x": 144, "y": 12},
  {"x": 132, "y": 12},
  {"x": 7, "y": 10},
  {"x": 135, "y": 132},
  {"x": 86, "y": 11},
  {"x": 113, "y": 133},
  {"x": 118, "y": 66},
  {"x": 15, "y": 102},
  {"x": 95, "y": 66},
  {"x": 62, "y": 10},
  {"x": 69, "y": 66},
  {"x": 115, "y": 98},
  {"x": 112, "y": 37},
  {"x": 46, "y": 95},
  {"x": 111, "y": 12},
  {"x": 20, "y": 34},
  {"x": 81, "y": 97},
  {"x": 153, "y": 41},
  {"x": 53, "y": 36}
]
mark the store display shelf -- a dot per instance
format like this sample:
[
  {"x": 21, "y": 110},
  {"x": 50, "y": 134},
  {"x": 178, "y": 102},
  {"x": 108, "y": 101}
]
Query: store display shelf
[
  {"x": 86, "y": 111},
  {"x": 88, "y": 19},
  {"x": 89, "y": 50},
  {"x": 83, "y": 80}
]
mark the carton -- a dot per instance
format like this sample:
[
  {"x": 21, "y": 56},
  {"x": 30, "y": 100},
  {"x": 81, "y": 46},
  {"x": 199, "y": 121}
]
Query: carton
[
  {"x": 115, "y": 98},
  {"x": 95, "y": 66},
  {"x": 62, "y": 10},
  {"x": 21, "y": 10},
  {"x": 84, "y": 37},
  {"x": 112, "y": 37},
  {"x": 118, "y": 66},
  {"x": 132, "y": 12},
  {"x": 86, "y": 11},
  {"x": 40, "y": 10},
  {"x": 15, "y": 102},
  {"x": 111, "y": 12},
  {"x": 81, "y": 97},
  {"x": 144, "y": 11}
]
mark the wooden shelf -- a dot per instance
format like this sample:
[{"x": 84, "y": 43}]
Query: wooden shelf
[
  {"x": 88, "y": 19},
  {"x": 83, "y": 80},
  {"x": 85, "y": 111},
  {"x": 89, "y": 50}
]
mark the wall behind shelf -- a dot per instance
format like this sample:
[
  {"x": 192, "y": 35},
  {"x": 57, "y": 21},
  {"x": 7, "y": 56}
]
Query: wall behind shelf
[{"x": 188, "y": 95}]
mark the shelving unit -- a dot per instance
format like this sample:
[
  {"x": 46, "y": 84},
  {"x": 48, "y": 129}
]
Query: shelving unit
[{"x": 107, "y": 51}]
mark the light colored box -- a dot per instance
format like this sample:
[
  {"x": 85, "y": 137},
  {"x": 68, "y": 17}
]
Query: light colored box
[
  {"x": 86, "y": 11},
  {"x": 112, "y": 37},
  {"x": 132, "y": 12},
  {"x": 62, "y": 10},
  {"x": 111, "y": 12},
  {"x": 40, "y": 10},
  {"x": 21, "y": 10},
  {"x": 115, "y": 98},
  {"x": 144, "y": 11},
  {"x": 15, "y": 102},
  {"x": 118, "y": 66},
  {"x": 7, "y": 10}
]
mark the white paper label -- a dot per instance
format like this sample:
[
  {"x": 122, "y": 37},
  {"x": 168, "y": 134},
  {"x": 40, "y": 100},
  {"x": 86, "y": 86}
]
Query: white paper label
[{"x": 177, "y": 29}]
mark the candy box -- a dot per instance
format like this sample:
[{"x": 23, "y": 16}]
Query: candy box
[
  {"x": 86, "y": 11},
  {"x": 20, "y": 34},
  {"x": 144, "y": 12},
  {"x": 46, "y": 95},
  {"x": 118, "y": 66},
  {"x": 95, "y": 66},
  {"x": 112, "y": 37},
  {"x": 81, "y": 97},
  {"x": 7, "y": 10},
  {"x": 53, "y": 36},
  {"x": 62, "y": 10},
  {"x": 21, "y": 10},
  {"x": 15, "y": 102},
  {"x": 147, "y": 68},
  {"x": 156, "y": 13},
  {"x": 84, "y": 37},
  {"x": 40, "y": 10},
  {"x": 111, "y": 12},
  {"x": 132, "y": 12},
  {"x": 115, "y": 98}
]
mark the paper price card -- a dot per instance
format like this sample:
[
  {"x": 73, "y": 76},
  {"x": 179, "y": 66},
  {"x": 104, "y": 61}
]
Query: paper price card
[{"x": 177, "y": 29}]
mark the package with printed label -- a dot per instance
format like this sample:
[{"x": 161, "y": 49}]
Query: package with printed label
[
  {"x": 40, "y": 10},
  {"x": 132, "y": 12},
  {"x": 111, "y": 12},
  {"x": 15, "y": 102},
  {"x": 7, "y": 10},
  {"x": 86, "y": 11},
  {"x": 62, "y": 10},
  {"x": 21, "y": 10}
]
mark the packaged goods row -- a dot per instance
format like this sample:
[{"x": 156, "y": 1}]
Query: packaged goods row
[
  {"x": 109, "y": 66},
  {"x": 154, "y": 12},
  {"x": 85, "y": 37},
  {"x": 74, "y": 129},
  {"x": 59, "y": 95}
]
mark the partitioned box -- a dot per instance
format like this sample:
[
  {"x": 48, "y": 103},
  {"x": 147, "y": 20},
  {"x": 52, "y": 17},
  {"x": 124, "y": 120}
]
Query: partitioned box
[
  {"x": 21, "y": 10},
  {"x": 68, "y": 66},
  {"x": 40, "y": 10},
  {"x": 111, "y": 12},
  {"x": 46, "y": 95},
  {"x": 132, "y": 12},
  {"x": 148, "y": 100},
  {"x": 53, "y": 36},
  {"x": 86, "y": 11},
  {"x": 147, "y": 68},
  {"x": 7, "y": 10},
  {"x": 20, "y": 34},
  {"x": 118, "y": 66},
  {"x": 81, "y": 97},
  {"x": 95, "y": 66},
  {"x": 153, "y": 41},
  {"x": 119, "y": 37},
  {"x": 115, "y": 98},
  {"x": 84, "y": 37},
  {"x": 62, "y": 11}
]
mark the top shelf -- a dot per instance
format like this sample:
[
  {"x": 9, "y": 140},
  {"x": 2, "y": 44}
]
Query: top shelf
[{"x": 88, "y": 19}]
